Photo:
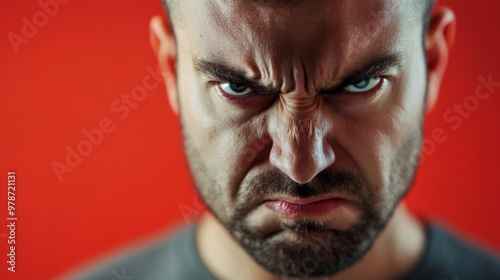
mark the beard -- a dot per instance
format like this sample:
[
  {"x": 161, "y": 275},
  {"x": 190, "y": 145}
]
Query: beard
[
  {"x": 304, "y": 247},
  {"x": 313, "y": 249}
]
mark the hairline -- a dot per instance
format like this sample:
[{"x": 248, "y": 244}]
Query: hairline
[{"x": 425, "y": 8}]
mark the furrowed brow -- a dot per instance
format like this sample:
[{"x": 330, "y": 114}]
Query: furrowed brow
[
  {"x": 376, "y": 67},
  {"x": 215, "y": 70}
]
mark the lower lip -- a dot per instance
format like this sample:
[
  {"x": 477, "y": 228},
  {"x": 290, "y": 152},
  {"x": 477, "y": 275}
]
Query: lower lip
[{"x": 319, "y": 208}]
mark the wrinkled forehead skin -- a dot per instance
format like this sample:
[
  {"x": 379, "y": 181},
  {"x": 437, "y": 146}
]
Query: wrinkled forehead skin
[{"x": 314, "y": 42}]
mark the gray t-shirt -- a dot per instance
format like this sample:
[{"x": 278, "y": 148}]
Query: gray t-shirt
[{"x": 446, "y": 257}]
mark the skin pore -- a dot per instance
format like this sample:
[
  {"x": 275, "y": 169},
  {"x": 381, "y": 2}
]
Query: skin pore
[{"x": 304, "y": 101}]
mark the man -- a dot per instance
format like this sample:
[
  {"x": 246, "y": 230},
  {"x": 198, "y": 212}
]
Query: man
[{"x": 302, "y": 124}]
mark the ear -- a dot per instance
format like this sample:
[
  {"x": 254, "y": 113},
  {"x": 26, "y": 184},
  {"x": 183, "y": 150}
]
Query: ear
[
  {"x": 439, "y": 39},
  {"x": 163, "y": 44}
]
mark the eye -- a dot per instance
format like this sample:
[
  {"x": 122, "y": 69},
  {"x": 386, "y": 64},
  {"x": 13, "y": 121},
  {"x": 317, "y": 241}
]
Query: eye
[
  {"x": 234, "y": 89},
  {"x": 364, "y": 85}
]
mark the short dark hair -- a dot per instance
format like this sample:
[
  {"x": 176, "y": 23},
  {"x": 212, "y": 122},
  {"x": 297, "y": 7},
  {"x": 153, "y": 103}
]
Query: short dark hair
[{"x": 425, "y": 6}]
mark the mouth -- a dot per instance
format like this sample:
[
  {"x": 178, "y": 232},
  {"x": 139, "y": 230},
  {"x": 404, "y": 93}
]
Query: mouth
[{"x": 311, "y": 207}]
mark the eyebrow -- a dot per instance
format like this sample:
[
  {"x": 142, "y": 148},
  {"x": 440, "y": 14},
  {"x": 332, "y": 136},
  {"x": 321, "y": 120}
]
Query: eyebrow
[
  {"x": 375, "y": 67},
  {"x": 229, "y": 74},
  {"x": 234, "y": 75}
]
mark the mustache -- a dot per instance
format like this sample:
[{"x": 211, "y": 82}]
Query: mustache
[{"x": 276, "y": 183}]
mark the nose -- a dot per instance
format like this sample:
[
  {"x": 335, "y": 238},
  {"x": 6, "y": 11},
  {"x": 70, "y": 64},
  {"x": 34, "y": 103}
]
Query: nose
[{"x": 300, "y": 148}]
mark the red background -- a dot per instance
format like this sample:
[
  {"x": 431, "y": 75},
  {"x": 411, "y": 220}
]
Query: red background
[{"x": 64, "y": 79}]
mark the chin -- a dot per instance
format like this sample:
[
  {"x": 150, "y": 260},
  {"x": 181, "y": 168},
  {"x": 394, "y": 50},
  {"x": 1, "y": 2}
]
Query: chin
[{"x": 307, "y": 248}]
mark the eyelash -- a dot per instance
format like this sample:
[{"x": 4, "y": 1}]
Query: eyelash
[
  {"x": 341, "y": 93},
  {"x": 367, "y": 94},
  {"x": 231, "y": 98}
]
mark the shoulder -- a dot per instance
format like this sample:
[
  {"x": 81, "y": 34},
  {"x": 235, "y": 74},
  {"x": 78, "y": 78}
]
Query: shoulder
[
  {"x": 450, "y": 256},
  {"x": 170, "y": 256}
]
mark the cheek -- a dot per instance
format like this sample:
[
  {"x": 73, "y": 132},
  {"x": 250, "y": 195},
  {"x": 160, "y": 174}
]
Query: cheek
[
  {"x": 374, "y": 140},
  {"x": 201, "y": 122},
  {"x": 225, "y": 141}
]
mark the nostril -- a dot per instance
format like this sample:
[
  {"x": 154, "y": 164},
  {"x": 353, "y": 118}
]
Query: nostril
[{"x": 301, "y": 163}]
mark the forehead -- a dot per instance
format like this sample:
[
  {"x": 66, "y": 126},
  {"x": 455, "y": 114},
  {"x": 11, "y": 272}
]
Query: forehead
[{"x": 305, "y": 30}]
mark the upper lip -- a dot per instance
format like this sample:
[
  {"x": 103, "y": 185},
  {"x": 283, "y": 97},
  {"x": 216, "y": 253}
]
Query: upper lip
[{"x": 304, "y": 201}]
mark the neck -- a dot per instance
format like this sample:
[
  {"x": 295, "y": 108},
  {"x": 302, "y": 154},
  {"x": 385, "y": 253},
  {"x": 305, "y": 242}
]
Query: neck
[{"x": 395, "y": 253}]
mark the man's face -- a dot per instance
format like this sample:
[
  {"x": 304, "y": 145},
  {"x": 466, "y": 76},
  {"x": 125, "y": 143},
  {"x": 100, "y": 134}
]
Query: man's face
[{"x": 302, "y": 122}]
